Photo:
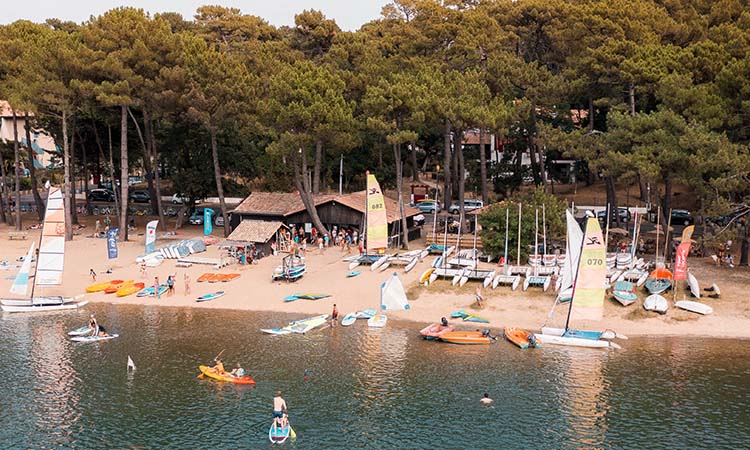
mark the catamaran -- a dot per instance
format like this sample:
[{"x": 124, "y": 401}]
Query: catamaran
[
  {"x": 376, "y": 227},
  {"x": 588, "y": 296},
  {"x": 506, "y": 278},
  {"x": 542, "y": 271},
  {"x": 49, "y": 265},
  {"x": 392, "y": 298},
  {"x": 292, "y": 268},
  {"x": 572, "y": 255}
]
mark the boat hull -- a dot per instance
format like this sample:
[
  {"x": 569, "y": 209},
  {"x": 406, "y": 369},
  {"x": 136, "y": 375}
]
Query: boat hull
[
  {"x": 40, "y": 308},
  {"x": 435, "y": 330},
  {"x": 520, "y": 337},
  {"x": 465, "y": 338},
  {"x": 210, "y": 372}
]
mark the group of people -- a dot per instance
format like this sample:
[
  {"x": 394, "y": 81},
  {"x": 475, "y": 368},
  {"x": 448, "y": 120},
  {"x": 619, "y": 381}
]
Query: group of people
[
  {"x": 237, "y": 372},
  {"x": 724, "y": 255}
]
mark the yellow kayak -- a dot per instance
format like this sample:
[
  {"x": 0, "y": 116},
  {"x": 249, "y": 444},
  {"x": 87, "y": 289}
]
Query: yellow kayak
[
  {"x": 211, "y": 373},
  {"x": 130, "y": 289},
  {"x": 98, "y": 287}
]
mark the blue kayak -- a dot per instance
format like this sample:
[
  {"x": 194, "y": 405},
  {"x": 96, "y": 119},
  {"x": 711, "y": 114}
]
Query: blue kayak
[{"x": 353, "y": 273}]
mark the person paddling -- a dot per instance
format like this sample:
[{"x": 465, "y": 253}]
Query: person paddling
[
  {"x": 279, "y": 408},
  {"x": 238, "y": 371}
]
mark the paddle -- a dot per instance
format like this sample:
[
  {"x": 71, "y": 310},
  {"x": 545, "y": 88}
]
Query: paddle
[
  {"x": 292, "y": 434},
  {"x": 216, "y": 358}
]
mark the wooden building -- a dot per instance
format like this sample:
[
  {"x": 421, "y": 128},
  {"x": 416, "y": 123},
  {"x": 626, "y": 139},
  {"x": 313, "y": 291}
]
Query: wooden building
[
  {"x": 347, "y": 211},
  {"x": 262, "y": 233}
]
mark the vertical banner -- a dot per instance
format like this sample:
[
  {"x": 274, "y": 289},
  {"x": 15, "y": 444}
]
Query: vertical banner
[
  {"x": 112, "y": 243},
  {"x": 151, "y": 236},
  {"x": 680, "y": 261},
  {"x": 207, "y": 224}
]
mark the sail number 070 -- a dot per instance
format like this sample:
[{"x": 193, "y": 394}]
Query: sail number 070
[{"x": 594, "y": 262}]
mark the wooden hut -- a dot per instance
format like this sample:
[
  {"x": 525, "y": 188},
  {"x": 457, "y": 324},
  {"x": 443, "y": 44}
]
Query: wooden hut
[{"x": 262, "y": 233}]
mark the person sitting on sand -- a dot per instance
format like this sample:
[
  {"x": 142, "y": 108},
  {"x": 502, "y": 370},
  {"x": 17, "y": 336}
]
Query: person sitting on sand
[
  {"x": 279, "y": 408},
  {"x": 486, "y": 400},
  {"x": 238, "y": 371},
  {"x": 444, "y": 321},
  {"x": 219, "y": 367}
]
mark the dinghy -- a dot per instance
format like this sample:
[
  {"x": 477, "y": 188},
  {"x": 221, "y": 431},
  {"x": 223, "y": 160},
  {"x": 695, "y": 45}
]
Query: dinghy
[
  {"x": 624, "y": 292},
  {"x": 298, "y": 326},
  {"x": 392, "y": 298},
  {"x": 696, "y": 307},
  {"x": 656, "y": 303},
  {"x": 520, "y": 337},
  {"x": 466, "y": 337},
  {"x": 435, "y": 331}
]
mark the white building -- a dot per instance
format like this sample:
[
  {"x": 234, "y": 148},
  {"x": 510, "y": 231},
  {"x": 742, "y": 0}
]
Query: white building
[{"x": 46, "y": 152}]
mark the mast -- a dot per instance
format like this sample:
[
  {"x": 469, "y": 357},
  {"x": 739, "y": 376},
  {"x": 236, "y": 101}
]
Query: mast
[
  {"x": 518, "y": 254},
  {"x": 476, "y": 227},
  {"x": 658, "y": 216},
  {"x": 437, "y": 183},
  {"x": 606, "y": 235},
  {"x": 505, "y": 257},
  {"x": 666, "y": 235},
  {"x": 544, "y": 230},
  {"x": 536, "y": 240},
  {"x": 445, "y": 244}
]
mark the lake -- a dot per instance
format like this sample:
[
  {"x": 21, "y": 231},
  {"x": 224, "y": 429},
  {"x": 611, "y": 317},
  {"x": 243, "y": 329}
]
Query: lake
[{"x": 365, "y": 389}]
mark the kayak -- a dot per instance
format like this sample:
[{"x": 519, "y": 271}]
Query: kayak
[
  {"x": 349, "y": 319},
  {"x": 93, "y": 338},
  {"x": 211, "y": 296},
  {"x": 80, "y": 331},
  {"x": 277, "y": 434},
  {"x": 435, "y": 330},
  {"x": 130, "y": 289},
  {"x": 114, "y": 287},
  {"x": 298, "y": 326},
  {"x": 353, "y": 273},
  {"x": 210, "y": 372},
  {"x": 98, "y": 287}
]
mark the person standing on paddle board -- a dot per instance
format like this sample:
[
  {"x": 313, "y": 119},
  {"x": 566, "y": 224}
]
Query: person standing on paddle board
[{"x": 279, "y": 408}]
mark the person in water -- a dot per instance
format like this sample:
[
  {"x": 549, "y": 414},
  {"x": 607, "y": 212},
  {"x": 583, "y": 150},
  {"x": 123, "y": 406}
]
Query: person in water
[
  {"x": 219, "y": 367},
  {"x": 279, "y": 408},
  {"x": 238, "y": 371},
  {"x": 334, "y": 315},
  {"x": 486, "y": 400},
  {"x": 96, "y": 328}
]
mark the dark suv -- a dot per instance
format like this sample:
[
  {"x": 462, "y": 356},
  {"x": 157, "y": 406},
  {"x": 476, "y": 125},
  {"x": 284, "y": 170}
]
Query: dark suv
[
  {"x": 101, "y": 195},
  {"x": 139, "y": 196},
  {"x": 681, "y": 217}
]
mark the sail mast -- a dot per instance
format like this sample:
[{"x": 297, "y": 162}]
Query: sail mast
[
  {"x": 536, "y": 240},
  {"x": 505, "y": 257},
  {"x": 518, "y": 255}
]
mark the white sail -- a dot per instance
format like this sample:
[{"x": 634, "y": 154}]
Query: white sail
[
  {"x": 573, "y": 252},
  {"x": 50, "y": 262},
  {"x": 21, "y": 283},
  {"x": 392, "y": 295}
]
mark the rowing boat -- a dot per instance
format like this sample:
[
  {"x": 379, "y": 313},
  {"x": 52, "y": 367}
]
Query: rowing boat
[
  {"x": 520, "y": 337},
  {"x": 465, "y": 337}
]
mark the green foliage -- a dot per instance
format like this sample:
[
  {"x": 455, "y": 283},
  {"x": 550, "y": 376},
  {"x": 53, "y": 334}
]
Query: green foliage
[{"x": 492, "y": 221}]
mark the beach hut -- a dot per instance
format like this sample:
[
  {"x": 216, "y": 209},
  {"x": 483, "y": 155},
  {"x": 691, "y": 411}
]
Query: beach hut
[{"x": 262, "y": 233}]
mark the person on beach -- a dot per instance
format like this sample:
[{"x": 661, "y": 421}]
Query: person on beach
[
  {"x": 238, "y": 371},
  {"x": 157, "y": 294},
  {"x": 279, "y": 408},
  {"x": 326, "y": 240},
  {"x": 93, "y": 275},
  {"x": 486, "y": 400},
  {"x": 98, "y": 228},
  {"x": 444, "y": 321},
  {"x": 143, "y": 270},
  {"x": 186, "y": 280},
  {"x": 334, "y": 315},
  {"x": 478, "y": 296},
  {"x": 320, "y": 245},
  {"x": 170, "y": 285}
]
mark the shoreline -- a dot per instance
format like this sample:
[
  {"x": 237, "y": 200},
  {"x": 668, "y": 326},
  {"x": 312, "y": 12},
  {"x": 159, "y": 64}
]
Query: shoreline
[{"x": 254, "y": 291}]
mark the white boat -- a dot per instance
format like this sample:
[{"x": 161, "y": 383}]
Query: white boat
[
  {"x": 696, "y": 307},
  {"x": 695, "y": 288},
  {"x": 507, "y": 280},
  {"x": 298, "y": 326},
  {"x": 656, "y": 303},
  {"x": 392, "y": 298},
  {"x": 537, "y": 280},
  {"x": 49, "y": 267},
  {"x": 588, "y": 296},
  {"x": 93, "y": 338}
]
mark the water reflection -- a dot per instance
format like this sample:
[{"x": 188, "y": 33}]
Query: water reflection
[{"x": 365, "y": 388}]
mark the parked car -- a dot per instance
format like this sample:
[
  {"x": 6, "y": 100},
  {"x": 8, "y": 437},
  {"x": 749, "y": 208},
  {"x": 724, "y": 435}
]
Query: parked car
[
  {"x": 101, "y": 195},
  {"x": 179, "y": 199},
  {"x": 734, "y": 216},
  {"x": 427, "y": 206},
  {"x": 682, "y": 217},
  {"x": 622, "y": 211},
  {"x": 196, "y": 218},
  {"x": 469, "y": 205},
  {"x": 139, "y": 196},
  {"x": 219, "y": 220}
]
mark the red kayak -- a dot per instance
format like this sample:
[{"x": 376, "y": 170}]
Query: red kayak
[{"x": 435, "y": 330}]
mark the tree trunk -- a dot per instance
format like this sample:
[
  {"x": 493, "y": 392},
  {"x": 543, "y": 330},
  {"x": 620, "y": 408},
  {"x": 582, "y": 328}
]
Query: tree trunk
[
  {"x": 146, "y": 163},
  {"x": 66, "y": 181},
  {"x": 72, "y": 181},
  {"x": 631, "y": 96},
  {"x": 483, "y": 167},
  {"x": 399, "y": 187},
  {"x": 217, "y": 177},
  {"x": 454, "y": 165},
  {"x": 591, "y": 114},
  {"x": 461, "y": 176},
  {"x": 17, "y": 171},
  {"x": 155, "y": 164},
  {"x": 302, "y": 185},
  {"x": 4, "y": 199},
  {"x": 316, "y": 169},
  {"x": 32, "y": 172},
  {"x": 745, "y": 246},
  {"x": 642, "y": 189},
  {"x": 667, "y": 205},
  {"x": 123, "y": 172},
  {"x": 612, "y": 200},
  {"x": 448, "y": 190},
  {"x": 414, "y": 166},
  {"x": 111, "y": 164},
  {"x": 85, "y": 174}
]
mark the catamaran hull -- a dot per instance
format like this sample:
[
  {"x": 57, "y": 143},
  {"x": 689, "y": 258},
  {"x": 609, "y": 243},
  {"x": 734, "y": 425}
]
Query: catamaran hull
[
  {"x": 574, "y": 342},
  {"x": 43, "y": 307}
]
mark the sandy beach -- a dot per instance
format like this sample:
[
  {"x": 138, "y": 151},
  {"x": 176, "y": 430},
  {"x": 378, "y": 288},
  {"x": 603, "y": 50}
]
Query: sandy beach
[{"x": 254, "y": 290}]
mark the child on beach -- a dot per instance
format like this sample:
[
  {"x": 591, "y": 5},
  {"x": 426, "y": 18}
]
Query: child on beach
[
  {"x": 334, "y": 315},
  {"x": 93, "y": 274},
  {"x": 320, "y": 245},
  {"x": 143, "y": 270},
  {"x": 186, "y": 280},
  {"x": 157, "y": 294},
  {"x": 170, "y": 285},
  {"x": 478, "y": 296}
]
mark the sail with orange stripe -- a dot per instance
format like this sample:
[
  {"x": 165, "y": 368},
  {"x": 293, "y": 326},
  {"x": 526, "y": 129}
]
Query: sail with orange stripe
[{"x": 377, "y": 221}]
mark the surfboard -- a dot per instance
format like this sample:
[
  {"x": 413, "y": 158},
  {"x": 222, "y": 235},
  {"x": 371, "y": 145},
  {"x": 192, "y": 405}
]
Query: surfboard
[{"x": 211, "y": 296}]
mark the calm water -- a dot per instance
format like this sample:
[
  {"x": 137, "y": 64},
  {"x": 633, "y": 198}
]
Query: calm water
[{"x": 366, "y": 389}]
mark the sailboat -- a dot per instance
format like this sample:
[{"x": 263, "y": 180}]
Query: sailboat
[
  {"x": 541, "y": 277},
  {"x": 392, "y": 298},
  {"x": 506, "y": 278},
  {"x": 572, "y": 255},
  {"x": 588, "y": 295},
  {"x": 376, "y": 227},
  {"x": 470, "y": 262},
  {"x": 49, "y": 266}
]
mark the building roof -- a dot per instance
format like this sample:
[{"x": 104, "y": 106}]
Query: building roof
[
  {"x": 283, "y": 204},
  {"x": 255, "y": 231}
]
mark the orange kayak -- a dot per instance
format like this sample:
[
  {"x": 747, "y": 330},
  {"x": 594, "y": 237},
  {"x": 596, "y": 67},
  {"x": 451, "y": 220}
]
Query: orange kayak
[
  {"x": 465, "y": 337},
  {"x": 130, "y": 289},
  {"x": 520, "y": 337},
  {"x": 231, "y": 276},
  {"x": 224, "y": 376},
  {"x": 435, "y": 331},
  {"x": 205, "y": 277},
  {"x": 114, "y": 287}
]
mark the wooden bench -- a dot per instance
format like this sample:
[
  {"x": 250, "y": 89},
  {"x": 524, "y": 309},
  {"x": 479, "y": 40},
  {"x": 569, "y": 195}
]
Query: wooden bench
[{"x": 18, "y": 234}]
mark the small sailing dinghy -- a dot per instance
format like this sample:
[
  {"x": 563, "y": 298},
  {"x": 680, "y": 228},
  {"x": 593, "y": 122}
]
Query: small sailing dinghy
[
  {"x": 392, "y": 298},
  {"x": 624, "y": 292},
  {"x": 435, "y": 331},
  {"x": 659, "y": 281},
  {"x": 656, "y": 303},
  {"x": 520, "y": 337},
  {"x": 48, "y": 271},
  {"x": 299, "y": 326},
  {"x": 588, "y": 295},
  {"x": 696, "y": 307}
]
